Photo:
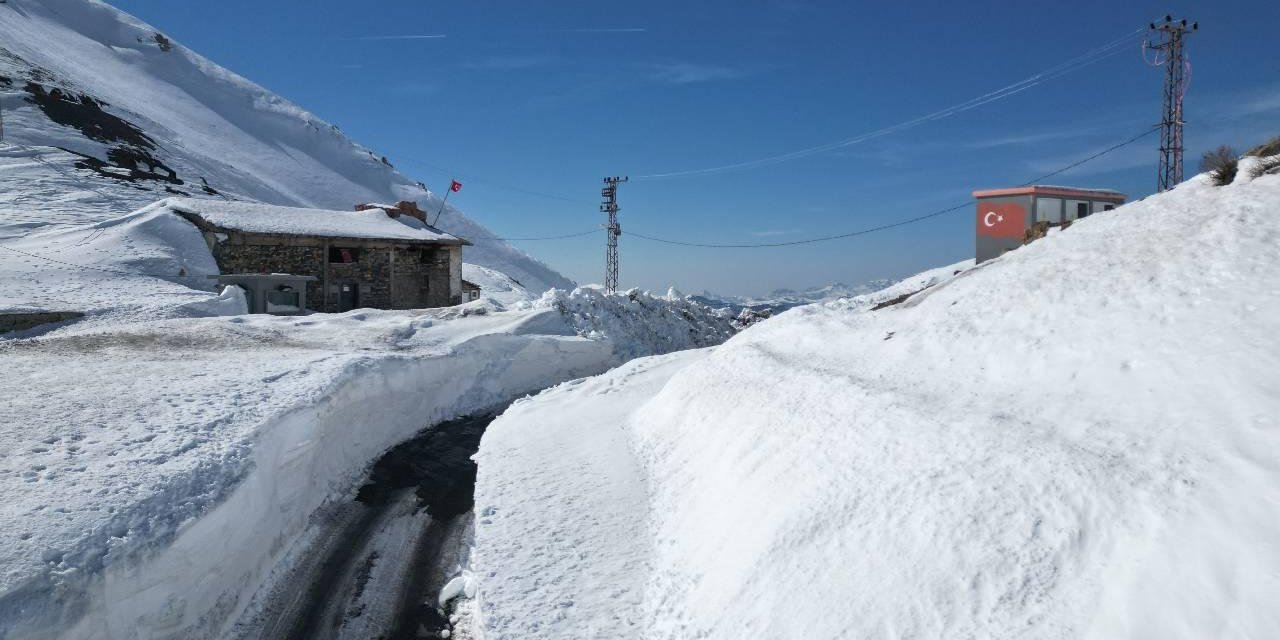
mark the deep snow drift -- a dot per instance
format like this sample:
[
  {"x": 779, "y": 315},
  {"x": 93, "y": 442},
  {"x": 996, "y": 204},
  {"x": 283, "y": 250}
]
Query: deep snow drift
[
  {"x": 103, "y": 115},
  {"x": 138, "y": 442},
  {"x": 1076, "y": 440}
]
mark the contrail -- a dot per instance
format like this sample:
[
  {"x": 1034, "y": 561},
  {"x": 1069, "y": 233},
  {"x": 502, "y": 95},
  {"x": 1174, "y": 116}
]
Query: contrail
[
  {"x": 616, "y": 30},
  {"x": 1090, "y": 57},
  {"x": 432, "y": 36}
]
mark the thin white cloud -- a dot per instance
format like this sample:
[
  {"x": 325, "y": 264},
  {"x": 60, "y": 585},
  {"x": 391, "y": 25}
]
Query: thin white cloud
[
  {"x": 614, "y": 30},
  {"x": 1265, "y": 103},
  {"x": 508, "y": 63},
  {"x": 424, "y": 36},
  {"x": 415, "y": 88},
  {"x": 690, "y": 73},
  {"x": 1019, "y": 140}
]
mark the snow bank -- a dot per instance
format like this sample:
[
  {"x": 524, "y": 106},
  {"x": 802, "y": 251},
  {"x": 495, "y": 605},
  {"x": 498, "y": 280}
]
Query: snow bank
[
  {"x": 145, "y": 265},
  {"x": 135, "y": 452},
  {"x": 560, "y": 549},
  {"x": 1077, "y": 439},
  {"x": 650, "y": 324}
]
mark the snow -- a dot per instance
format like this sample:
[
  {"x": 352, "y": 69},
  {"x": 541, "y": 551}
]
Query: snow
[
  {"x": 145, "y": 435},
  {"x": 1075, "y": 440},
  {"x": 264, "y": 218},
  {"x": 652, "y": 324},
  {"x": 495, "y": 285},
  {"x": 560, "y": 509},
  {"x": 122, "y": 481},
  {"x": 211, "y": 127},
  {"x": 146, "y": 265},
  {"x": 782, "y": 299},
  {"x": 455, "y": 587}
]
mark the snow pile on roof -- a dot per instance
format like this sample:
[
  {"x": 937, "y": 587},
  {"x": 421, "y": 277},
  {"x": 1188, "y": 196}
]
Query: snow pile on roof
[
  {"x": 266, "y": 218},
  {"x": 134, "y": 121},
  {"x": 1077, "y": 439}
]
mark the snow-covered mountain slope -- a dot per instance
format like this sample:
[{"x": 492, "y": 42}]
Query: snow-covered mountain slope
[
  {"x": 103, "y": 115},
  {"x": 1080, "y": 439}
]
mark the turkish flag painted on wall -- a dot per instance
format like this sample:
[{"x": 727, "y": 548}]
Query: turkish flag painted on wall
[
  {"x": 455, "y": 186},
  {"x": 1001, "y": 219}
]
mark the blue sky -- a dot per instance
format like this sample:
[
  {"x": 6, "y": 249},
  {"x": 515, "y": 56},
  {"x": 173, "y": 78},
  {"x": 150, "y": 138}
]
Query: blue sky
[{"x": 550, "y": 97}]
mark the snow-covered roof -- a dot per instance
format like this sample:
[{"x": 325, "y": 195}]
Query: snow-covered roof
[
  {"x": 1051, "y": 190},
  {"x": 255, "y": 217}
]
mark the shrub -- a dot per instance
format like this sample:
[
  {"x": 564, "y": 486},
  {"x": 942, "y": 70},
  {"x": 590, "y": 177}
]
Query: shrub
[
  {"x": 1268, "y": 148},
  {"x": 1266, "y": 165},
  {"x": 1221, "y": 163}
]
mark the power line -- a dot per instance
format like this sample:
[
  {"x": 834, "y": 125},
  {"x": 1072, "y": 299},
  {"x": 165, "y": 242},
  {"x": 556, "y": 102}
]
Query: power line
[
  {"x": 1111, "y": 48},
  {"x": 891, "y": 225},
  {"x": 567, "y": 235},
  {"x": 472, "y": 177}
]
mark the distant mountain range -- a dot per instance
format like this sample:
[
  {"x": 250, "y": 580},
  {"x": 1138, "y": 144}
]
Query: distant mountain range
[{"x": 783, "y": 299}]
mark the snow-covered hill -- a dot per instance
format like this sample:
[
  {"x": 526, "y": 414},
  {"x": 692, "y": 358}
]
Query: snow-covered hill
[
  {"x": 1080, "y": 439},
  {"x": 103, "y": 115}
]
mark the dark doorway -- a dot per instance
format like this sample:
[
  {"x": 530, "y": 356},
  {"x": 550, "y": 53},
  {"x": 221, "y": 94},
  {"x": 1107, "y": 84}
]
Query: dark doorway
[{"x": 348, "y": 296}]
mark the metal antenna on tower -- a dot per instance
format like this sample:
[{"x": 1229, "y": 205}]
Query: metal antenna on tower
[
  {"x": 1177, "y": 73},
  {"x": 609, "y": 205}
]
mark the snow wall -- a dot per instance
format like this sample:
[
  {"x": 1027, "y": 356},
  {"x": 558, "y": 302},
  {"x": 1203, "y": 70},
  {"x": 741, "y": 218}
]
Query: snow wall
[{"x": 202, "y": 582}]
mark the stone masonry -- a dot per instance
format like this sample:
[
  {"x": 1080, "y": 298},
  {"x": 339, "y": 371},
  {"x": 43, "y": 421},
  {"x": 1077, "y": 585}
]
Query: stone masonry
[{"x": 387, "y": 274}]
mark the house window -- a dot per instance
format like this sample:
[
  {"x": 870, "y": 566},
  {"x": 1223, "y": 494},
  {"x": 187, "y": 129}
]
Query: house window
[
  {"x": 1108, "y": 207},
  {"x": 343, "y": 255},
  {"x": 1082, "y": 209},
  {"x": 1049, "y": 210}
]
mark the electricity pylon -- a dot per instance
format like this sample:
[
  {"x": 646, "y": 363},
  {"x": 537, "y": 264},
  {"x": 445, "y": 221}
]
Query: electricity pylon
[{"x": 609, "y": 205}]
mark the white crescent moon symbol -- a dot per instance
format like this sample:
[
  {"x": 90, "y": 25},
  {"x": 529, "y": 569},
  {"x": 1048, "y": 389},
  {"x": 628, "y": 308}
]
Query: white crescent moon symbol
[{"x": 986, "y": 220}]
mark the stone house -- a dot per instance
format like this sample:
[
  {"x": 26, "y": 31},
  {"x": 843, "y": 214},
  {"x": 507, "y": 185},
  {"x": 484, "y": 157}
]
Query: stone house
[
  {"x": 470, "y": 291},
  {"x": 378, "y": 256}
]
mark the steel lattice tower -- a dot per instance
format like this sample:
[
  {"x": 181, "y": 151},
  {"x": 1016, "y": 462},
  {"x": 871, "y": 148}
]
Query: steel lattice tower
[
  {"x": 609, "y": 205},
  {"x": 1176, "y": 74}
]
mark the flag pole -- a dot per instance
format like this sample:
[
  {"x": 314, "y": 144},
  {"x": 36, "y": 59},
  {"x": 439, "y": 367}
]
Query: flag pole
[{"x": 442, "y": 203}]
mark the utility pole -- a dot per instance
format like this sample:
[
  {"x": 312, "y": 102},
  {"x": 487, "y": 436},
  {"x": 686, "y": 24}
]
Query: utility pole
[
  {"x": 609, "y": 205},
  {"x": 1169, "y": 36}
]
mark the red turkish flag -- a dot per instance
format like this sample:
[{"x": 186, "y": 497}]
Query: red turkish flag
[
  {"x": 455, "y": 186},
  {"x": 1001, "y": 219}
]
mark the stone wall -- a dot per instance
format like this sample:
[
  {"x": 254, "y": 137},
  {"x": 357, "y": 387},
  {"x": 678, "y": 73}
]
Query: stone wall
[
  {"x": 387, "y": 274},
  {"x": 20, "y": 321}
]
